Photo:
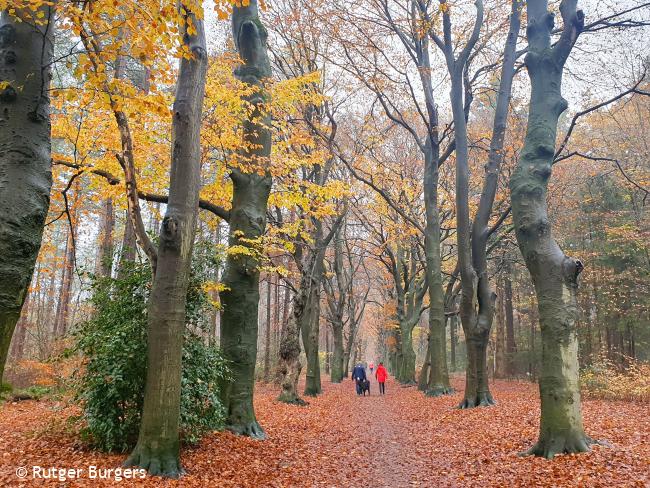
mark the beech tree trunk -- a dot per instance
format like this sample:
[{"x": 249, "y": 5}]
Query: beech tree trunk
[
  {"x": 310, "y": 324},
  {"x": 554, "y": 274},
  {"x": 453, "y": 339},
  {"x": 267, "y": 337},
  {"x": 63, "y": 305},
  {"x": 477, "y": 300},
  {"x": 105, "y": 247},
  {"x": 500, "y": 342},
  {"x": 129, "y": 243},
  {"x": 18, "y": 343},
  {"x": 405, "y": 357},
  {"x": 511, "y": 345},
  {"x": 289, "y": 366},
  {"x": 239, "y": 321},
  {"x": 477, "y": 304},
  {"x": 337, "y": 366},
  {"x": 157, "y": 449},
  {"x": 25, "y": 161},
  {"x": 437, "y": 374}
]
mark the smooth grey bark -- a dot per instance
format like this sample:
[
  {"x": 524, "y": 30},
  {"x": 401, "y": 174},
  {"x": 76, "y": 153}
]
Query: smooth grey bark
[
  {"x": 25, "y": 157},
  {"x": 343, "y": 308},
  {"x": 327, "y": 351},
  {"x": 67, "y": 278},
  {"x": 417, "y": 48},
  {"x": 336, "y": 302},
  {"x": 435, "y": 371},
  {"x": 158, "y": 449},
  {"x": 337, "y": 366},
  {"x": 312, "y": 334},
  {"x": 554, "y": 274},
  {"x": 267, "y": 336},
  {"x": 355, "y": 313},
  {"x": 453, "y": 339},
  {"x": 18, "y": 342},
  {"x": 476, "y": 389},
  {"x": 410, "y": 289},
  {"x": 500, "y": 340},
  {"x": 105, "y": 247},
  {"x": 239, "y": 320},
  {"x": 511, "y": 345},
  {"x": 128, "y": 251},
  {"x": 477, "y": 305},
  {"x": 437, "y": 380},
  {"x": 435, "y": 375},
  {"x": 310, "y": 323}
]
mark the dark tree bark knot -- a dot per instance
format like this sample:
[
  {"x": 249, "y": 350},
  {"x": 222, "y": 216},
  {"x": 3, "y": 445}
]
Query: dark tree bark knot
[{"x": 7, "y": 35}]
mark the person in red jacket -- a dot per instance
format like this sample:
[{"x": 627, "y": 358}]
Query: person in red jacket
[{"x": 381, "y": 376}]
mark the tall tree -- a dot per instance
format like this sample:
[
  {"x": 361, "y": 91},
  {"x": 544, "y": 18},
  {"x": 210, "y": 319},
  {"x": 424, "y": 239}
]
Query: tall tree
[
  {"x": 554, "y": 274},
  {"x": 26, "y": 40},
  {"x": 157, "y": 449},
  {"x": 477, "y": 305},
  {"x": 104, "y": 263},
  {"x": 405, "y": 21},
  {"x": 456, "y": 65},
  {"x": 251, "y": 189}
]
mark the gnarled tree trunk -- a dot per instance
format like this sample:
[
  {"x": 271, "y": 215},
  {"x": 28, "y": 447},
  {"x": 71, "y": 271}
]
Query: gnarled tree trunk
[
  {"x": 554, "y": 274},
  {"x": 157, "y": 449},
  {"x": 289, "y": 366},
  {"x": 25, "y": 146}
]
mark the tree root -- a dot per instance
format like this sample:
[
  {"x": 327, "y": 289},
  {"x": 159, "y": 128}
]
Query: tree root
[
  {"x": 568, "y": 444},
  {"x": 163, "y": 464},
  {"x": 252, "y": 429},
  {"x": 292, "y": 400},
  {"x": 483, "y": 399},
  {"x": 438, "y": 391}
]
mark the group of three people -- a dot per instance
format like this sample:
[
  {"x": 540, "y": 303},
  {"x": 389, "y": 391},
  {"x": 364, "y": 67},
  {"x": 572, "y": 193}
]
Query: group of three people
[{"x": 359, "y": 377}]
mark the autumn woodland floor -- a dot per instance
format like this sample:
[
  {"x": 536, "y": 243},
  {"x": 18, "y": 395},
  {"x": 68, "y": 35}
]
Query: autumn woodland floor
[{"x": 340, "y": 440}]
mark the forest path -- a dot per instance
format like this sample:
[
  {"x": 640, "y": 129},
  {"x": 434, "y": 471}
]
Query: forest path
[
  {"x": 384, "y": 436},
  {"x": 340, "y": 440}
]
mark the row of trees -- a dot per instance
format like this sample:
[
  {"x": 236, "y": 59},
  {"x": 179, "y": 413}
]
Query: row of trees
[{"x": 374, "y": 194}]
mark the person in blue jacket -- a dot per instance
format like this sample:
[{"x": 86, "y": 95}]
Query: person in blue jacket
[{"x": 358, "y": 375}]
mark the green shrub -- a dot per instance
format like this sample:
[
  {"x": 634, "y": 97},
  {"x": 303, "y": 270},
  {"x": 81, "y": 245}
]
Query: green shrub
[
  {"x": 110, "y": 386},
  {"x": 5, "y": 390}
]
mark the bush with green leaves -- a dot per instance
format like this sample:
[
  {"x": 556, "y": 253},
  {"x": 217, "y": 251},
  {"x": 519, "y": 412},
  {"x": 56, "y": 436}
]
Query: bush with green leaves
[{"x": 110, "y": 386}]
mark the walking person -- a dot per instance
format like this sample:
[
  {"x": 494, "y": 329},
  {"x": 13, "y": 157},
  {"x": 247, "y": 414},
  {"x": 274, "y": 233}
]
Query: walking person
[
  {"x": 371, "y": 366},
  {"x": 381, "y": 376},
  {"x": 358, "y": 375}
]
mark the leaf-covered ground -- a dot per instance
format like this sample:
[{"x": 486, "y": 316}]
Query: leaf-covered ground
[{"x": 400, "y": 440}]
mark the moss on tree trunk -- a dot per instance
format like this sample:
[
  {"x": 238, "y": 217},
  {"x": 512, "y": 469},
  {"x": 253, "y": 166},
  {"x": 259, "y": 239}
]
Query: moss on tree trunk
[
  {"x": 289, "y": 366},
  {"x": 554, "y": 274},
  {"x": 336, "y": 374},
  {"x": 251, "y": 189},
  {"x": 405, "y": 358}
]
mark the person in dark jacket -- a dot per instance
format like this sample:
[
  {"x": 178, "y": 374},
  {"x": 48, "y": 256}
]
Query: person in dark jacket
[{"x": 358, "y": 375}]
